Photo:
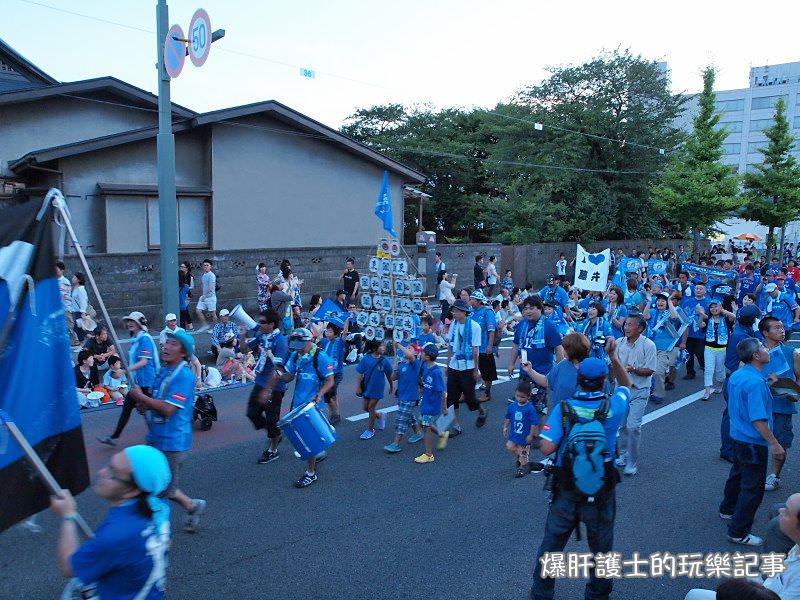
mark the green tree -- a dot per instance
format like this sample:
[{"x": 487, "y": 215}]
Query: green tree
[
  {"x": 773, "y": 190},
  {"x": 696, "y": 190},
  {"x": 604, "y": 123},
  {"x": 447, "y": 145}
]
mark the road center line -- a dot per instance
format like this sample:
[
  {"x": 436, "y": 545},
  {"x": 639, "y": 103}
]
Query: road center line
[{"x": 672, "y": 407}]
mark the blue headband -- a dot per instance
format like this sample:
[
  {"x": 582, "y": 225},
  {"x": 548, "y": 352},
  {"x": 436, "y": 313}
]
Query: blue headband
[{"x": 150, "y": 472}]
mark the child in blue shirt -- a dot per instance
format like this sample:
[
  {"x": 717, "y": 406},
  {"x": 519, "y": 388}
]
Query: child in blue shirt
[
  {"x": 371, "y": 372},
  {"x": 520, "y": 425},
  {"x": 434, "y": 402},
  {"x": 332, "y": 345},
  {"x": 406, "y": 373},
  {"x": 427, "y": 336}
]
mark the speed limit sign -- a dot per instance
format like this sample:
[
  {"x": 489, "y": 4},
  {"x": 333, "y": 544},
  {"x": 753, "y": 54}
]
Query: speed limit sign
[{"x": 199, "y": 37}]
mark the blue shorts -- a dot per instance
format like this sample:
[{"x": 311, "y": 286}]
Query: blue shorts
[
  {"x": 782, "y": 429},
  {"x": 428, "y": 420},
  {"x": 519, "y": 440}
]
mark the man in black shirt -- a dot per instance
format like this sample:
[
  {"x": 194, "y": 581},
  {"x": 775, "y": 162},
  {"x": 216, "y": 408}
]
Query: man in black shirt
[
  {"x": 478, "y": 273},
  {"x": 100, "y": 347},
  {"x": 350, "y": 280}
]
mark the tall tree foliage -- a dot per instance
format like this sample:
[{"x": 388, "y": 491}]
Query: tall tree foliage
[
  {"x": 696, "y": 190},
  {"x": 586, "y": 175},
  {"x": 773, "y": 190}
]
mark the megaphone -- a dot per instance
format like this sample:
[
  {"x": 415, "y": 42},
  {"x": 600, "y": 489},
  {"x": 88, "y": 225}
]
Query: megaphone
[{"x": 240, "y": 317}]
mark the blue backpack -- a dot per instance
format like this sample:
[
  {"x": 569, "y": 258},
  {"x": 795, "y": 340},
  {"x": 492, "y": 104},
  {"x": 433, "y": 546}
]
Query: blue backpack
[{"x": 585, "y": 451}]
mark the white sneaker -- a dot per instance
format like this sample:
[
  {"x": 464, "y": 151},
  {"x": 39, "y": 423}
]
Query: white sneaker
[
  {"x": 621, "y": 461},
  {"x": 631, "y": 470},
  {"x": 773, "y": 483},
  {"x": 748, "y": 540}
]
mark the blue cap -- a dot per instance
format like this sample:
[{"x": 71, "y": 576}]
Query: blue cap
[
  {"x": 431, "y": 350},
  {"x": 751, "y": 310},
  {"x": 185, "y": 339},
  {"x": 478, "y": 295},
  {"x": 592, "y": 368}
]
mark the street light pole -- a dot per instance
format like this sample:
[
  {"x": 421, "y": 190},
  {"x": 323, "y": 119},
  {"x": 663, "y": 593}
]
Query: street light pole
[{"x": 165, "y": 158}]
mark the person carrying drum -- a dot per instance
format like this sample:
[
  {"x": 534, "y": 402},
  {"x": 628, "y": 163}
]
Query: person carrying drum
[{"x": 314, "y": 372}]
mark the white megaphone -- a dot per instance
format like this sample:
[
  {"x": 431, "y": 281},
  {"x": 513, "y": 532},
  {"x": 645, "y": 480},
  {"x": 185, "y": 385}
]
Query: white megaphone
[{"x": 240, "y": 317}]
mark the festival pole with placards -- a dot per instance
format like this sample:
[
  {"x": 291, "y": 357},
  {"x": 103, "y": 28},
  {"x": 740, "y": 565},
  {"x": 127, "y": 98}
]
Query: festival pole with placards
[{"x": 391, "y": 294}]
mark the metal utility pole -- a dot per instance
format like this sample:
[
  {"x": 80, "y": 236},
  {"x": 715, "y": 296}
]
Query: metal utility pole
[{"x": 165, "y": 152}]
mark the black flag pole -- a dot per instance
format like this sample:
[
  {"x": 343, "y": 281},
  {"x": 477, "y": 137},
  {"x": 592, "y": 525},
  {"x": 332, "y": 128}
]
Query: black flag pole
[{"x": 5, "y": 419}]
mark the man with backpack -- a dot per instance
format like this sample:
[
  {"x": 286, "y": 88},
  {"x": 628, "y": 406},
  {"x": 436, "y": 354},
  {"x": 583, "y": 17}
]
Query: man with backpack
[{"x": 582, "y": 431}]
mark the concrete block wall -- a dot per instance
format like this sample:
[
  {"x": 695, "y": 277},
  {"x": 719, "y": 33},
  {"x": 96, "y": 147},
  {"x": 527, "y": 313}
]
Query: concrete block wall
[{"x": 133, "y": 281}]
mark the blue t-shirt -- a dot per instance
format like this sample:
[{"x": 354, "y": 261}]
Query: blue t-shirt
[
  {"x": 486, "y": 319},
  {"x": 408, "y": 380},
  {"x": 374, "y": 384},
  {"x": 173, "y": 385},
  {"x": 661, "y": 337},
  {"x": 334, "y": 349},
  {"x": 426, "y": 338},
  {"x": 749, "y": 399},
  {"x": 308, "y": 381},
  {"x": 562, "y": 381},
  {"x": 781, "y": 307},
  {"x": 123, "y": 554},
  {"x": 144, "y": 347},
  {"x": 621, "y": 312},
  {"x": 747, "y": 285},
  {"x": 540, "y": 340},
  {"x": 601, "y": 328},
  {"x": 585, "y": 404},
  {"x": 432, "y": 387},
  {"x": 633, "y": 302},
  {"x": 689, "y": 306},
  {"x": 738, "y": 333},
  {"x": 559, "y": 296},
  {"x": 279, "y": 347},
  {"x": 781, "y": 363},
  {"x": 520, "y": 417}
]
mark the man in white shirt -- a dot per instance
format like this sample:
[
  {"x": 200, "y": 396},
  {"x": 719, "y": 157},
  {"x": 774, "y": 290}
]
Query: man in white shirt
[
  {"x": 463, "y": 342},
  {"x": 170, "y": 325},
  {"x": 492, "y": 278},
  {"x": 638, "y": 356},
  {"x": 208, "y": 297},
  {"x": 65, "y": 287},
  {"x": 561, "y": 267}
]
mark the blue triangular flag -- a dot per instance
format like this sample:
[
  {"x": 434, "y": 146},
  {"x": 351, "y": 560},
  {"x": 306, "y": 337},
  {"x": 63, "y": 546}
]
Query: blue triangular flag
[{"x": 383, "y": 206}]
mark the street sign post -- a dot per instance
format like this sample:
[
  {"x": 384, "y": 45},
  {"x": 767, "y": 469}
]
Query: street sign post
[
  {"x": 199, "y": 37},
  {"x": 174, "y": 51}
]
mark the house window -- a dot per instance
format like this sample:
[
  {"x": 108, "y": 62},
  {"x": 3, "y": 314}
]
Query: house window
[
  {"x": 761, "y": 124},
  {"x": 193, "y": 222}
]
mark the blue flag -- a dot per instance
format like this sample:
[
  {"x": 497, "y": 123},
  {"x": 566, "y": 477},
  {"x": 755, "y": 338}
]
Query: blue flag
[
  {"x": 383, "y": 206},
  {"x": 38, "y": 384},
  {"x": 330, "y": 311}
]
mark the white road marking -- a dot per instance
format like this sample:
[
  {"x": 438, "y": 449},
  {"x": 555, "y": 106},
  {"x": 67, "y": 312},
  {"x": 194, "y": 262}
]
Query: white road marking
[
  {"x": 362, "y": 416},
  {"x": 672, "y": 407}
]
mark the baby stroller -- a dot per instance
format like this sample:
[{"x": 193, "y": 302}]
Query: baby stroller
[{"x": 205, "y": 411}]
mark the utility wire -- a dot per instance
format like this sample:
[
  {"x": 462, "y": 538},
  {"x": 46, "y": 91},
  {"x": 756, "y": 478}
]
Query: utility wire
[{"x": 661, "y": 151}]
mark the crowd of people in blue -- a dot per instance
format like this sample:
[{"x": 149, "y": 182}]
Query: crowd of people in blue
[{"x": 589, "y": 363}]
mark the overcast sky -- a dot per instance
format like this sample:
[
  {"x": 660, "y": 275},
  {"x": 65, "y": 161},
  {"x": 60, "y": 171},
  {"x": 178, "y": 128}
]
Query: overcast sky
[{"x": 445, "y": 52}]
